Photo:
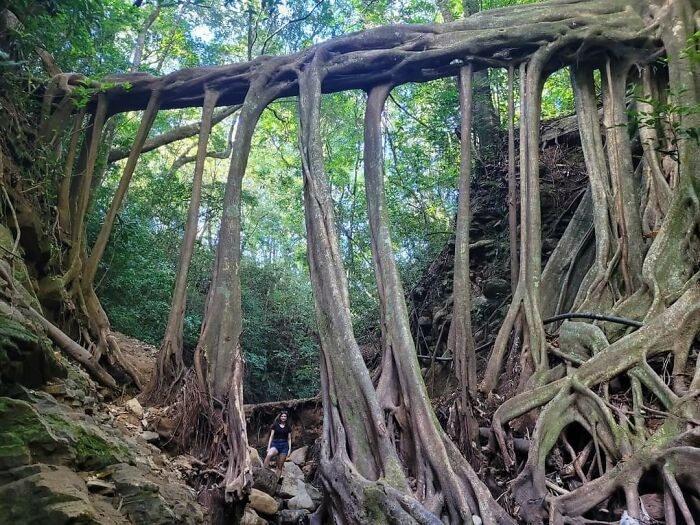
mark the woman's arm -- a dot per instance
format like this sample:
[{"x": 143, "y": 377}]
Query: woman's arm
[{"x": 289, "y": 441}]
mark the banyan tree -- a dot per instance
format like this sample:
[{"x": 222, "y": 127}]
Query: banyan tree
[{"x": 623, "y": 278}]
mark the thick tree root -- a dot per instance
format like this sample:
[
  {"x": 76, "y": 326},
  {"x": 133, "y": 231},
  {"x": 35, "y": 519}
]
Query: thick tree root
[{"x": 572, "y": 400}]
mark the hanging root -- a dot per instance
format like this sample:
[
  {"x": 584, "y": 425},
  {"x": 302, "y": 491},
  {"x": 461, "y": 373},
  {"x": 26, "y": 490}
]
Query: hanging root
[{"x": 170, "y": 366}]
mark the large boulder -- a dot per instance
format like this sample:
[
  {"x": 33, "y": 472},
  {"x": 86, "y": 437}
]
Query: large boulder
[
  {"x": 315, "y": 494},
  {"x": 292, "y": 470},
  {"x": 263, "y": 503},
  {"x": 45, "y": 494},
  {"x": 147, "y": 501},
  {"x": 265, "y": 480},
  {"x": 291, "y": 487},
  {"x": 302, "y": 500},
  {"x": 250, "y": 517},
  {"x": 298, "y": 456},
  {"x": 25, "y": 437}
]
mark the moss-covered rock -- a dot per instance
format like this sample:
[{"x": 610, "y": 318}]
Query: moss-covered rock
[
  {"x": 45, "y": 494},
  {"x": 26, "y": 358},
  {"x": 26, "y": 436}
]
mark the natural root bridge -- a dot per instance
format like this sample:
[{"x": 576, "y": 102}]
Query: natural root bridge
[
  {"x": 384, "y": 457},
  {"x": 398, "y": 54}
]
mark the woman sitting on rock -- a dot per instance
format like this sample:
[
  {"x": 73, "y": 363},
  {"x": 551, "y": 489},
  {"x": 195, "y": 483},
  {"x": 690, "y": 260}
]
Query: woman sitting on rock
[{"x": 280, "y": 441}]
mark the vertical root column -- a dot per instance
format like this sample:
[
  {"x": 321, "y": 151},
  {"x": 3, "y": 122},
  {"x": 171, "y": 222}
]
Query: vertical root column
[
  {"x": 169, "y": 364},
  {"x": 359, "y": 466},
  {"x": 526, "y": 299},
  {"x": 447, "y": 481},
  {"x": 460, "y": 339}
]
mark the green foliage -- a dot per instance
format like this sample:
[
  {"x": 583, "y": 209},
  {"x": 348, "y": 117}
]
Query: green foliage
[{"x": 137, "y": 274}]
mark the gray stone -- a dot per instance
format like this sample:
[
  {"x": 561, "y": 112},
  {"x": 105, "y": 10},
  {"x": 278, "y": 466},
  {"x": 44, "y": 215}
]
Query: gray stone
[
  {"x": 150, "y": 436},
  {"x": 45, "y": 494},
  {"x": 298, "y": 456},
  {"x": 100, "y": 487},
  {"x": 314, "y": 493},
  {"x": 134, "y": 407},
  {"x": 291, "y": 487},
  {"x": 148, "y": 502},
  {"x": 292, "y": 517},
  {"x": 250, "y": 517},
  {"x": 290, "y": 469},
  {"x": 302, "y": 500}
]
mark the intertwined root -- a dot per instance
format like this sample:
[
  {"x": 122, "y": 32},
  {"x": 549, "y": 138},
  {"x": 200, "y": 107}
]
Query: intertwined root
[{"x": 658, "y": 431}]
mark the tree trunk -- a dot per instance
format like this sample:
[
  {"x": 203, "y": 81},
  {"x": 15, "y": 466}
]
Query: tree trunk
[{"x": 359, "y": 467}]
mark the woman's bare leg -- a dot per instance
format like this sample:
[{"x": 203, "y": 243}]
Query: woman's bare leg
[
  {"x": 270, "y": 454},
  {"x": 280, "y": 463}
]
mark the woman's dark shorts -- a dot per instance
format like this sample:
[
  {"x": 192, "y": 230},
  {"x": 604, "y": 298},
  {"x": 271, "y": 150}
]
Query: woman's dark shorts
[{"x": 282, "y": 446}]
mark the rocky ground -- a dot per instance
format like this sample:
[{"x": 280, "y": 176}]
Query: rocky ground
[
  {"x": 68, "y": 455},
  {"x": 73, "y": 453}
]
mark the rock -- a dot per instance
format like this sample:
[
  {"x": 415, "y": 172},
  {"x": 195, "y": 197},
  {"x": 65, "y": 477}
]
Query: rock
[
  {"x": 45, "y": 494},
  {"x": 148, "y": 502},
  {"x": 292, "y": 517},
  {"x": 26, "y": 356},
  {"x": 496, "y": 288},
  {"x": 263, "y": 503},
  {"x": 135, "y": 407},
  {"x": 314, "y": 493},
  {"x": 298, "y": 456},
  {"x": 302, "y": 500},
  {"x": 254, "y": 458},
  {"x": 250, "y": 517},
  {"x": 265, "y": 480},
  {"x": 291, "y": 487},
  {"x": 100, "y": 487},
  {"x": 57, "y": 389},
  {"x": 25, "y": 436},
  {"x": 150, "y": 436},
  {"x": 290, "y": 469}
]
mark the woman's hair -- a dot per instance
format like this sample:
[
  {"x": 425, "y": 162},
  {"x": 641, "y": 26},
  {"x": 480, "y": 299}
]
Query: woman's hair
[{"x": 279, "y": 416}]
